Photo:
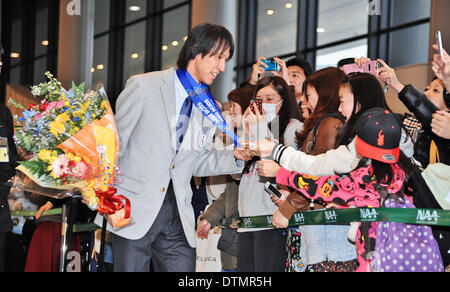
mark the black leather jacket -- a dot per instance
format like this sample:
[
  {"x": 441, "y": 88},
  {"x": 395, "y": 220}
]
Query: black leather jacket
[
  {"x": 7, "y": 170},
  {"x": 423, "y": 109}
]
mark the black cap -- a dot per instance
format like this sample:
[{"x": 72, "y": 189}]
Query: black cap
[{"x": 378, "y": 134}]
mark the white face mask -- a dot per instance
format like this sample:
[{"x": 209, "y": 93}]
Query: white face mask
[{"x": 271, "y": 110}]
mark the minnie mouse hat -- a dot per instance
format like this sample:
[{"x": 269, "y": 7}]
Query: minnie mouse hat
[{"x": 378, "y": 134}]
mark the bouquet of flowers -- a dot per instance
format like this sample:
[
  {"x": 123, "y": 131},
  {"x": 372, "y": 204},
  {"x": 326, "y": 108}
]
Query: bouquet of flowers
[{"x": 72, "y": 138}]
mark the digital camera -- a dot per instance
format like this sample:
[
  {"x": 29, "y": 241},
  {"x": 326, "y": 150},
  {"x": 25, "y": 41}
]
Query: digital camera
[{"x": 272, "y": 65}]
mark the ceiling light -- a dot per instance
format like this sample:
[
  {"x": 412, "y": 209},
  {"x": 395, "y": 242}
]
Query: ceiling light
[
  {"x": 92, "y": 70},
  {"x": 45, "y": 43},
  {"x": 270, "y": 12},
  {"x": 134, "y": 56},
  {"x": 165, "y": 48},
  {"x": 185, "y": 38},
  {"x": 134, "y": 8},
  {"x": 288, "y": 5},
  {"x": 321, "y": 30},
  {"x": 15, "y": 55},
  {"x": 100, "y": 67},
  {"x": 175, "y": 43}
]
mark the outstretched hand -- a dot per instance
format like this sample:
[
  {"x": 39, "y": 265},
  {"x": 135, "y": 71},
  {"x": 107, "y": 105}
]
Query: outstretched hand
[
  {"x": 264, "y": 148},
  {"x": 441, "y": 67},
  {"x": 388, "y": 75},
  {"x": 268, "y": 168}
]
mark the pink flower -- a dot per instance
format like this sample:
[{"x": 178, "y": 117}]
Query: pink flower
[
  {"x": 81, "y": 170},
  {"x": 60, "y": 104},
  {"x": 61, "y": 166},
  {"x": 51, "y": 105}
]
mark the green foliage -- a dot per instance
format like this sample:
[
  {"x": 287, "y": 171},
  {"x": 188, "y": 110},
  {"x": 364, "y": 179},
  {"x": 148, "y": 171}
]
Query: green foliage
[{"x": 36, "y": 167}]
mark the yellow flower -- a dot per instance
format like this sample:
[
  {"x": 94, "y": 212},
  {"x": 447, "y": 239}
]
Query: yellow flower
[
  {"x": 58, "y": 127},
  {"x": 47, "y": 155},
  {"x": 62, "y": 118},
  {"x": 72, "y": 157},
  {"x": 104, "y": 104}
]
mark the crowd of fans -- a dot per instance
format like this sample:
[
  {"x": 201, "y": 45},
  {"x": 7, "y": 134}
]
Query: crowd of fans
[{"x": 331, "y": 107}]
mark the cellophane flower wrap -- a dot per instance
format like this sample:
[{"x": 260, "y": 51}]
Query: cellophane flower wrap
[{"x": 73, "y": 140}]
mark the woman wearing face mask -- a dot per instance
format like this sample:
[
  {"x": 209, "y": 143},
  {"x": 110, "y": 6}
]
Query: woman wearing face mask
[
  {"x": 226, "y": 205},
  {"x": 262, "y": 250}
]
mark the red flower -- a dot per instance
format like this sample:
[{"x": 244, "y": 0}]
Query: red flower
[
  {"x": 31, "y": 106},
  {"x": 43, "y": 107}
]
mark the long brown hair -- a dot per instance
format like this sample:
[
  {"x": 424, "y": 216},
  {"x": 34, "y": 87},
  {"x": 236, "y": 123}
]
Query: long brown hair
[
  {"x": 327, "y": 83},
  {"x": 288, "y": 111}
]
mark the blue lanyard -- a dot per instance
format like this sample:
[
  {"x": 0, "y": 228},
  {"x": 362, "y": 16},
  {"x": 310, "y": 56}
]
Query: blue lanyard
[{"x": 204, "y": 101}]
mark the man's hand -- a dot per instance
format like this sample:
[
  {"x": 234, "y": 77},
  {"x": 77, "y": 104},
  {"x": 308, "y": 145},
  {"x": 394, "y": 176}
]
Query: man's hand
[
  {"x": 440, "y": 125},
  {"x": 283, "y": 73},
  {"x": 258, "y": 71},
  {"x": 243, "y": 154},
  {"x": 268, "y": 168},
  {"x": 264, "y": 148},
  {"x": 203, "y": 229}
]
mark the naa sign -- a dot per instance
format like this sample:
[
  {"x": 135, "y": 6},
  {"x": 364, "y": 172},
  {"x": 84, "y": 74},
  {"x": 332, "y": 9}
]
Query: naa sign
[
  {"x": 368, "y": 215},
  {"x": 427, "y": 216}
]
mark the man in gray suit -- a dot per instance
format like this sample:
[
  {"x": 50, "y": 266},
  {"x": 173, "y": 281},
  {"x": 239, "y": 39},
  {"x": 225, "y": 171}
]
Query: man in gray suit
[{"x": 160, "y": 152}]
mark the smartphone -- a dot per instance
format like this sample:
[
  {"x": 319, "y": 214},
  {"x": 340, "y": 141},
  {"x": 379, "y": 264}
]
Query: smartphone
[
  {"x": 370, "y": 67},
  {"x": 272, "y": 65},
  {"x": 268, "y": 187},
  {"x": 439, "y": 43},
  {"x": 258, "y": 103}
]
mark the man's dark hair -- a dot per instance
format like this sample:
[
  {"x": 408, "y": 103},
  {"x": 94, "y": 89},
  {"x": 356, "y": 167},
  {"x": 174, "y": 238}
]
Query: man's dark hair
[
  {"x": 347, "y": 61},
  {"x": 302, "y": 64},
  {"x": 205, "y": 39}
]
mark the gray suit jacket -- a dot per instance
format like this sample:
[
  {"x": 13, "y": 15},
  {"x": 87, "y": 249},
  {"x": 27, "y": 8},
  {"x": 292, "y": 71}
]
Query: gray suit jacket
[{"x": 148, "y": 161}]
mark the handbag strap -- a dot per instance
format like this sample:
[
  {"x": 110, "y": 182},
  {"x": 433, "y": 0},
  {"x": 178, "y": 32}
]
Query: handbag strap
[{"x": 434, "y": 153}]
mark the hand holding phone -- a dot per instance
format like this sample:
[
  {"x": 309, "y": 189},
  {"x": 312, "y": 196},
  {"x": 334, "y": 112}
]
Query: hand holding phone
[
  {"x": 439, "y": 43},
  {"x": 258, "y": 102},
  {"x": 368, "y": 67},
  {"x": 269, "y": 188}
]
